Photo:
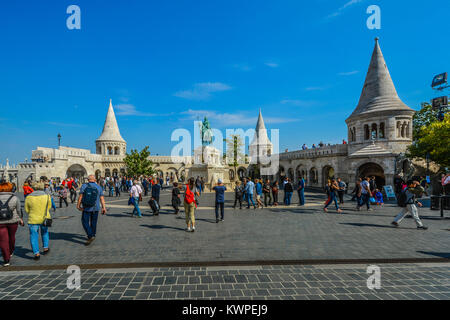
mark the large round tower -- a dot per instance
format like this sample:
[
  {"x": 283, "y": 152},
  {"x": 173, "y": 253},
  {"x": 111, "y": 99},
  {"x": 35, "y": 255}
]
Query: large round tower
[{"x": 380, "y": 117}]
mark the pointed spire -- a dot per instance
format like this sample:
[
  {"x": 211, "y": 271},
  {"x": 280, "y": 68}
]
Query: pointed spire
[
  {"x": 110, "y": 128},
  {"x": 260, "y": 124},
  {"x": 378, "y": 93},
  {"x": 260, "y": 131}
]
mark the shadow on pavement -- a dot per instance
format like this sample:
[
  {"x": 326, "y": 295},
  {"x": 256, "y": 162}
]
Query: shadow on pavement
[
  {"x": 373, "y": 225},
  {"x": 72, "y": 237},
  {"x": 445, "y": 255},
  {"x": 160, "y": 227}
]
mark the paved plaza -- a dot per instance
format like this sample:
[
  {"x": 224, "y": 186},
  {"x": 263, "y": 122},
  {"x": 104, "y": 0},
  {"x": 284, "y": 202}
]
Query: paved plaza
[
  {"x": 273, "y": 253},
  {"x": 294, "y": 233}
]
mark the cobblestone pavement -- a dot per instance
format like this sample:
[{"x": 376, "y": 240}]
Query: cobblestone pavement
[
  {"x": 294, "y": 233},
  {"x": 322, "y": 282}
]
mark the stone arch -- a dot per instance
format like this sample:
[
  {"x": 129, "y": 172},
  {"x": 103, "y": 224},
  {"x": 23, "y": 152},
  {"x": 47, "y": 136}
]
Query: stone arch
[
  {"x": 381, "y": 133},
  {"x": 115, "y": 173},
  {"x": 327, "y": 173},
  {"x": 109, "y": 150},
  {"x": 116, "y": 150},
  {"x": 242, "y": 172},
  {"x": 281, "y": 174},
  {"x": 172, "y": 174},
  {"x": 299, "y": 172},
  {"x": 98, "y": 174},
  {"x": 107, "y": 172},
  {"x": 366, "y": 132},
  {"x": 374, "y": 129},
  {"x": 76, "y": 171},
  {"x": 370, "y": 169},
  {"x": 290, "y": 174},
  {"x": 313, "y": 175},
  {"x": 231, "y": 174}
]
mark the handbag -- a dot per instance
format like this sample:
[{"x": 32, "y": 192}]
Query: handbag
[{"x": 47, "y": 222}]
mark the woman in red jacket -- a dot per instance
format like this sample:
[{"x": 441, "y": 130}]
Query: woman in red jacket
[{"x": 27, "y": 189}]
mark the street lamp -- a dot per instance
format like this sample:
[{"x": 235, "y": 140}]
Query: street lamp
[{"x": 59, "y": 139}]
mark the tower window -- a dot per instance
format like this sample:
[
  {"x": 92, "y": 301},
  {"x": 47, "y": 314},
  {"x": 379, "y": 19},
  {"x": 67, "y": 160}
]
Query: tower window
[
  {"x": 366, "y": 132},
  {"x": 381, "y": 134},
  {"x": 374, "y": 131}
]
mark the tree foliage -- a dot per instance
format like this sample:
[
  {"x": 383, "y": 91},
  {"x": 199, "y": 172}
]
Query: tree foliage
[
  {"x": 431, "y": 136},
  {"x": 234, "y": 154},
  {"x": 137, "y": 163}
]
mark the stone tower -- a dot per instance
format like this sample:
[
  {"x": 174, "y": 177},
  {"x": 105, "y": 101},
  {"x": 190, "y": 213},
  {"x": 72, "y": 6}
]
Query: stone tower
[
  {"x": 381, "y": 122},
  {"x": 111, "y": 142},
  {"x": 260, "y": 145}
]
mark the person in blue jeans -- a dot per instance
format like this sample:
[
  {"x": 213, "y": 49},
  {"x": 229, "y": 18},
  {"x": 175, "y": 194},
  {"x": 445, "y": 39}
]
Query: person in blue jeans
[
  {"x": 301, "y": 191},
  {"x": 249, "y": 187},
  {"x": 333, "y": 189},
  {"x": 136, "y": 192},
  {"x": 89, "y": 201},
  {"x": 220, "y": 200},
  {"x": 288, "y": 192}
]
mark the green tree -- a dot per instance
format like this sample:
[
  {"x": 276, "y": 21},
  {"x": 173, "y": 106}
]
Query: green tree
[
  {"x": 430, "y": 136},
  {"x": 234, "y": 154},
  {"x": 137, "y": 163}
]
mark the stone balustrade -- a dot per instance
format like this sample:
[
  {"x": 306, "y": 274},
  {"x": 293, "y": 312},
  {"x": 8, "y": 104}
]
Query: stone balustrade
[{"x": 337, "y": 149}]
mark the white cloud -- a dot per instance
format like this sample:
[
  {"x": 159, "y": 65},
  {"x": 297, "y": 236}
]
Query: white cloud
[
  {"x": 130, "y": 110},
  {"x": 299, "y": 103},
  {"x": 202, "y": 91},
  {"x": 272, "y": 64},
  {"x": 242, "y": 66},
  {"x": 70, "y": 125},
  {"x": 315, "y": 88},
  {"x": 348, "y": 73},
  {"x": 231, "y": 119},
  {"x": 342, "y": 9}
]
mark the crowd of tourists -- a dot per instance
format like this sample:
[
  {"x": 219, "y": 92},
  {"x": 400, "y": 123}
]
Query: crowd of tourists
[{"x": 256, "y": 193}]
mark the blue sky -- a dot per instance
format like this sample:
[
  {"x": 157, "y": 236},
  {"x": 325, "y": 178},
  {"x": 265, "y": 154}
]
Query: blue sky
[{"x": 166, "y": 63}]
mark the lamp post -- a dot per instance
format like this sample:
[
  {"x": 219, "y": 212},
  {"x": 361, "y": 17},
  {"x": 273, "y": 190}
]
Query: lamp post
[{"x": 59, "y": 139}]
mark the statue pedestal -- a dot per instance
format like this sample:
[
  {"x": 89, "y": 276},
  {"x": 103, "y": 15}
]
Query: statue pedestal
[{"x": 210, "y": 175}]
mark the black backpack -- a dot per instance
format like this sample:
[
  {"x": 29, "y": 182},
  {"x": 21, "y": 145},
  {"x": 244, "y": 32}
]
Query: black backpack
[
  {"x": 401, "y": 199},
  {"x": 90, "y": 195},
  {"x": 5, "y": 212}
]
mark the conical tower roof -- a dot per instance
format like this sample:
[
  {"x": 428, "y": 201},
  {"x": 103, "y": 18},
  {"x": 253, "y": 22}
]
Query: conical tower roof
[
  {"x": 110, "y": 128},
  {"x": 260, "y": 131},
  {"x": 378, "y": 93}
]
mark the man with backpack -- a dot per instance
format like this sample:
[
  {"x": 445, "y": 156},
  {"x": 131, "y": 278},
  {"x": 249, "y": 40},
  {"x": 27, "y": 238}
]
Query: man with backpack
[
  {"x": 89, "y": 201},
  {"x": 407, "y": 201}
]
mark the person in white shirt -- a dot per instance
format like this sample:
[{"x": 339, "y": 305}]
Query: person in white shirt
[{"x": 135, "y": 193}]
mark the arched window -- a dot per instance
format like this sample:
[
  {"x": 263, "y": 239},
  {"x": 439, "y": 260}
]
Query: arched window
[
  {"x": 116, "y": 151},
  {"x": 374, "y": 131},
  {"x": 403, "y": 129},
  {"x": 407, "y": 130},
  {"x": 366, "y": 132},
  {"x": 381, "y": 134},
  {"x": 399, "y": 129},
  {"x": 354, "y": 134},
  {"x": 110, "y": 151}
]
